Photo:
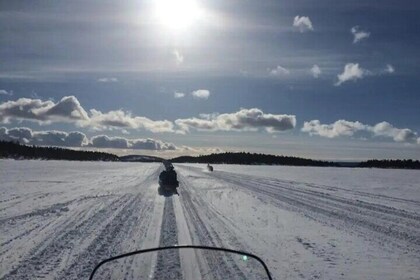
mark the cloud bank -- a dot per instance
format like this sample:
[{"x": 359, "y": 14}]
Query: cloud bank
[
  {"x": 68, "y": 109},
  {"x": 52, "y": 137},
  {"x": 78, "y": 139},
  {"x": 342, "y": 128}
]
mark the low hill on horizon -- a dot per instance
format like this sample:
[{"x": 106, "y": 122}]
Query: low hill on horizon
[{"x": 140, "y": 158}]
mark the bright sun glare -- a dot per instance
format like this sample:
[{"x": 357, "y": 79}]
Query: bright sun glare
[{"x": 177, "y": 14}]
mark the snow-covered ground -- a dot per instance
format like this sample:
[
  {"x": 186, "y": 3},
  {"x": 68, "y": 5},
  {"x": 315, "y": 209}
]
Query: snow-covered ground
[{"x": 58, "y": 219}]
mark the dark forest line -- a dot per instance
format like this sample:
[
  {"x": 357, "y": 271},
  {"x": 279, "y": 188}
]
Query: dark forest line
[
  {"x": 264, "y": 159},
  {"x": 16, "y": 150},
  {"x": 19, "y": 151},
  {"x": 252, "y": 159}
]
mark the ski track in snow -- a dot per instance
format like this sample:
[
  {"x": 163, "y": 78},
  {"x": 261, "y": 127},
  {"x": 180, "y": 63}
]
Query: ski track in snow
[{"x": 57, "y": 224}]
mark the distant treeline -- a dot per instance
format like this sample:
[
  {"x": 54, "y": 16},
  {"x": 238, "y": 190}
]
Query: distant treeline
[
  {"x": 389, "y": 163},
  {"x": 252, "y": 159},
  {"x": 263, "y": 159},
  {"x": 18, "y": 151}
]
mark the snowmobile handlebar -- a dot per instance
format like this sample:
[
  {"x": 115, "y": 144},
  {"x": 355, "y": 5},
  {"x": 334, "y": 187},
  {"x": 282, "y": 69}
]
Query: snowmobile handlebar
[{"x": 182, "y": 247}]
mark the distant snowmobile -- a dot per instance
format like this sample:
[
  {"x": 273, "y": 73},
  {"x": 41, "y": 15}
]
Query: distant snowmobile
[
  {"x": 209, "y": 167},
  {"x": 168, "y": 181}
]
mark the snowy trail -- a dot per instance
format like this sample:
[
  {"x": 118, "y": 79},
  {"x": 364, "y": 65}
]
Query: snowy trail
[
  {"x": 204, "y": 234},
  {"x": 207, "y": 227}
]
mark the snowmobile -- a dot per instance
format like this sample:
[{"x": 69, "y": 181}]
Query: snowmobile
[
  {"x": 168, "y": 182},
  {"x": 182, "y": 262}
]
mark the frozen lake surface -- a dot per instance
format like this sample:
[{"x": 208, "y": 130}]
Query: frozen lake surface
[{"x": 58, "y": 219}]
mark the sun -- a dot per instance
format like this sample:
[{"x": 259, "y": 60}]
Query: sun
[{"x": 177, "y": 14}]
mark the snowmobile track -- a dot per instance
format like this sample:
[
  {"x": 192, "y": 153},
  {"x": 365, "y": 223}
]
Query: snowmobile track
[
  {"x": 203, "y": 233},
  {"x": 169, "y": 261}
]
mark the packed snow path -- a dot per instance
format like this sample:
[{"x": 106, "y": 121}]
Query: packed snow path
[{"x": 59, "y": 219}]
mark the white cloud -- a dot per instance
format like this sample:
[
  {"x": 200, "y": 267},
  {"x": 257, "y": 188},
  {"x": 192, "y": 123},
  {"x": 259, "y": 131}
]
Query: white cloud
[
  {"x": 121, "y": 119},
  {"x": 389, "y": 69},
  {"x": 399, "y": 135},
  {"x": 104, "y": 141},
  {"x": 21, "y": 134},
  {"x": 200, "y": 124},
  {"x": 339, "y": 128},
  {"x": 316, "y": 71},
  {"x": 279, "y": 71},
  {"x": 358, "y": 34},
  {"x": 68, "y": 109},
  {"x": 243, "y": 120},
  {"x": 349, "y": 128},
  {"x": 51, "y": 138},
  {"x": 25, "y": 135},
  {"x": 208, "y": 116},
  {"x": 201, "y": 94},
  {"x": 5, "y": 92},
  {"x": 179, "y": 94},
  {"x": 59, "y": 138},
  {"x": 108, "y": 80},
  {"x": 151, "y": 144},
  {"x": 352, "y": 72},
  {"x": 179, "y": 58},
  {"x": 303, "y": 23}
]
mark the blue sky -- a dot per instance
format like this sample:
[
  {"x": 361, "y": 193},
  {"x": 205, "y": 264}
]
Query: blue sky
[{"x": 320, "y": 79}]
